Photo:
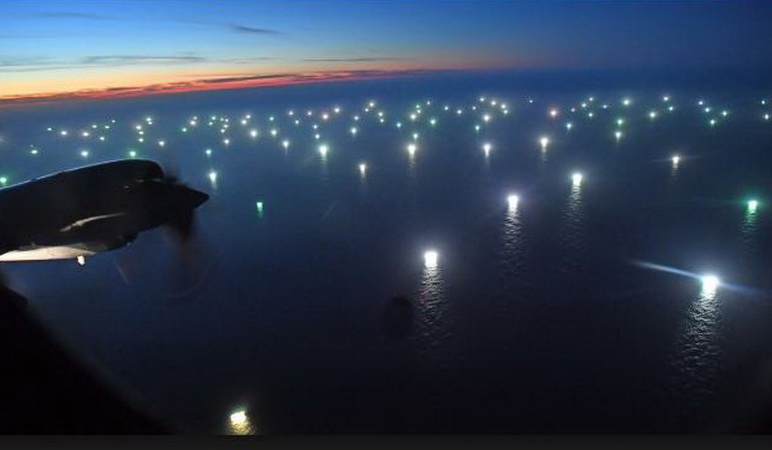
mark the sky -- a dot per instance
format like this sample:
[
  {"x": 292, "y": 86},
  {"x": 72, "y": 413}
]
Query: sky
[{"x": 52, "y": 50}]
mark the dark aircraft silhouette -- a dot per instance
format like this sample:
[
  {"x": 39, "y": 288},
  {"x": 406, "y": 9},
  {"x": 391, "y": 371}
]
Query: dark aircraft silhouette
[
  {"x": 80, "y": 212},
  {"x": 72, "y": 215}
]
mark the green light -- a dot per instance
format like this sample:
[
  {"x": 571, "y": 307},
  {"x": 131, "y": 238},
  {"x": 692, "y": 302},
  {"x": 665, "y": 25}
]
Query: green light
[
  {"x": 3, "y": 180},
  {"x": 259, "y": 208},
  {"x": 132, "y": 154},
  {"x": 753, "y": 205}
]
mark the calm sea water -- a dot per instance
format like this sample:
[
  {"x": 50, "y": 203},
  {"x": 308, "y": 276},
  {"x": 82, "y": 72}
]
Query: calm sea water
[{"x": 539, "y": 318}]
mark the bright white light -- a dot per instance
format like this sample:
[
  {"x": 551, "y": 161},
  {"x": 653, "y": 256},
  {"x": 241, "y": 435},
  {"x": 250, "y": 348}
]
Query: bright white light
[
  {"x": 413, "y": 117},
  {"x": 243, "y": 121},
  {"x": 253, "y": 133},
  {"x": 411, "y": 148},
  {"x": 85, "y": 134},
  {"x": 710, "y": 284},
  {"x": 766, "y": 116},
  {"x": 724, "y": 113},
  {"x": 553, "y": 113},
  {"x": 239, "y": 419},
  {"x": 33, "y": 151},
  {"x": 433, "y": 122},
  {"x": 512, "y": 201},
  {"x": 487, "y": 148},
  {"x": 415, "y": 136},
  {"x": 544, "y": 141},
  {"x": 430, "y": 259},
  {"x": 362, "y": 169},
  {"x": 652, "y": 115},
  {"x": 753, "y": 205},
  {"x": 285, "y": 143},
  {"x": 337, "y": 110},
  {"x": 226, "y": 141},
  {"x": 569, "y": 125},
  {"x": 666, "y": 98},
  {"x": 325, "y": 116},
  {"x": 84, "y": 153},
  {"x": 208, "y": 152},
  {"x": 459, "y": 111},
  {"x": 81, "y": 260},
  {"x": 161, "y": 143},
  {"x": 676, "y": 159},
  {"x": 712, "y": 122},
  {"x": 213, "y": 176},
  {"x": 63, "y": 132},
  {"x": 618, "y": 135},
  {"x": 274, "y": 132},
  {"x": 323, "y": 149},
  {"x": 576, "y": 179},
  {"x": 626, "y": 102},
  {"x": 486, "y": 118}
]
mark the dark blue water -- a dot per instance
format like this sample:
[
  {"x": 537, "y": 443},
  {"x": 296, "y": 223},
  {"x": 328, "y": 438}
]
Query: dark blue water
[{"x": 539, "y": 318}]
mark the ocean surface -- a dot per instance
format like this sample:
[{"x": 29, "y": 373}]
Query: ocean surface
[{"x": 580, "y": 309}]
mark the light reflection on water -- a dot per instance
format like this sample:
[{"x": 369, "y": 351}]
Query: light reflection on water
[
  {"x": 431, "y": 310},
  {"x": 411, "y": 171},
  {"x": 324, "y": 169},
  {"x": 749, "y": 231},
  {"x": 696, "y": 362},
  {"x": 573, "y": 233},
  {"x": 512, "y": 260}
]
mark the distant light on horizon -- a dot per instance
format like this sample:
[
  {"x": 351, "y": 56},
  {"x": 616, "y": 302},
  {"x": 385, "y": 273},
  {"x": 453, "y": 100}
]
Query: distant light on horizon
[
  {"x": 576, "y": 179},
  {"x": 323, "y": 149},
  {"x": 213, "y": 176},
  {"x": 411, "y": 148},
  {"x": 512, "y": 201},
  {"x": 431, "y": 258},
  {"x": 710, "y": 284},
  {"x": 753, "y": 205},
  {"x": 676, "y": 159},
  {"x": 544, "y": 141}
]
